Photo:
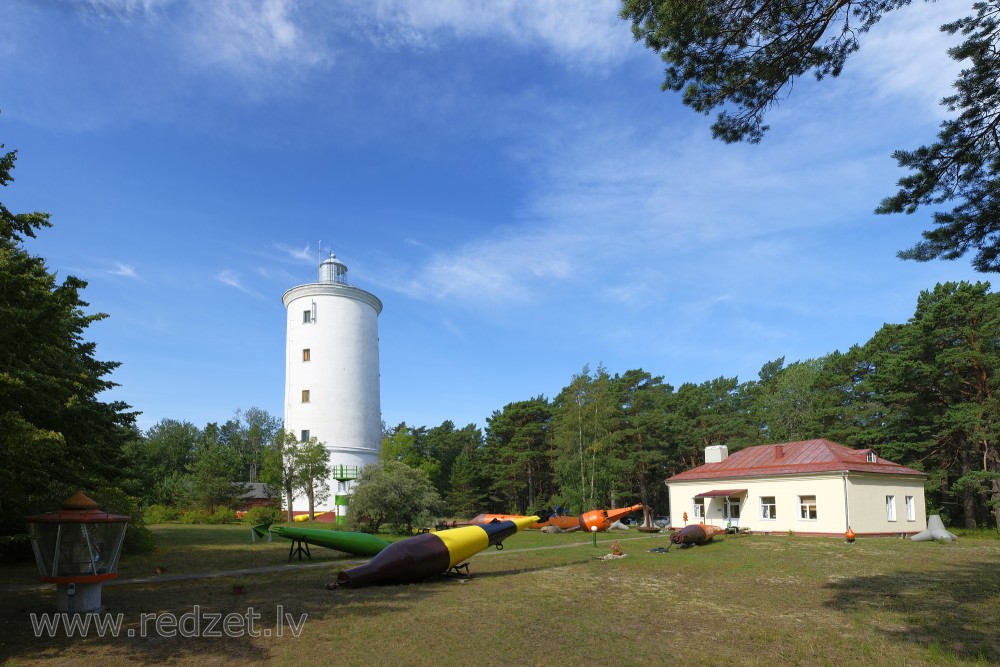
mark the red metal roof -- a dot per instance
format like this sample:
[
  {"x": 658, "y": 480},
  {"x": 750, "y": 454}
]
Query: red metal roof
[
  {"x": 794, "y": 458},
  {"x": 78, "y": 508}
]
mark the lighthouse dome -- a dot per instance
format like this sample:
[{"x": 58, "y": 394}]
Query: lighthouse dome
[{"x": 332, "y": 270}]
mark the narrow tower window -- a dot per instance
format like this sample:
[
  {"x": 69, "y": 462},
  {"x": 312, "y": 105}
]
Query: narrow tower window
[
  {"x": 305, "y": 435},
  {"x": 305, "y": 395},
  {"x": 305, "y": 354},
  {"x": 307, "y": 316}
]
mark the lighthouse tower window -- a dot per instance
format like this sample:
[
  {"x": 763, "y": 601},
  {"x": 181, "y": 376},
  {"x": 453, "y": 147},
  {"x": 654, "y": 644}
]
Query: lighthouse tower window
[
  {"x": 305, "y": 395},
  {"x": 305, "y": 354},
  {"x": 307, "y": 316},
  {"x": 305, "y": 435}
]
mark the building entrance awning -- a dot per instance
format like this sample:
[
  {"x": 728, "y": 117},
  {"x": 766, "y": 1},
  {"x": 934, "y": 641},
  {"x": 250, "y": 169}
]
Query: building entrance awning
[{"x": 722, "y": 493}]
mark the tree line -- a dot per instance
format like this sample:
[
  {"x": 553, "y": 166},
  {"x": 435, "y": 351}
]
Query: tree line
[
  {"x": 921, "y": 393},
  {"x": 178, "y": 465}
]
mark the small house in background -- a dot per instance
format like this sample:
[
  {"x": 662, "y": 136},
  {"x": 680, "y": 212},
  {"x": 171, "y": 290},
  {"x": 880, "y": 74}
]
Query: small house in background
[
  {"x": 811, "y": 487},
  {"x": 258, "y": 494}
]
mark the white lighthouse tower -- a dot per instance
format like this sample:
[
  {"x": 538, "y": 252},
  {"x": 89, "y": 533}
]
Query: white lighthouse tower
[{"x": 332, "y": 375}]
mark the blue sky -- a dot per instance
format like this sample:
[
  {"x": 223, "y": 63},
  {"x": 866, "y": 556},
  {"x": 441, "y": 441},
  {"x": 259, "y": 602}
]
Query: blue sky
[{"x": 505, "y": 175}]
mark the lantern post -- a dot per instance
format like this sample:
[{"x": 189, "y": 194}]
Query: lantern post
[{"x": 77, "y": 549}]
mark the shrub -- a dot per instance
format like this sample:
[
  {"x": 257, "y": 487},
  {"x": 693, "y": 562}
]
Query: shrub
[
  {"x": 138, "y": 538},
  {"x": 223, "y": 515},
  {"x": 159, "y": 514},
  {"x": 392, "y": 494},
  {"x": 219, "y": 516},
  {"x": 15, "y": 547},
  {"x": 256, "y": 515},
  {"x": 196, "y": 516}
]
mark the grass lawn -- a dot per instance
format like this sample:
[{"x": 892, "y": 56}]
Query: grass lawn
[{"x": 544, "y": 600}]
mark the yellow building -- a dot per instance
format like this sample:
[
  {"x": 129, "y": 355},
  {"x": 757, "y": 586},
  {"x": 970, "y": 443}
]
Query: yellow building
[{"x": 811, "y": 487}]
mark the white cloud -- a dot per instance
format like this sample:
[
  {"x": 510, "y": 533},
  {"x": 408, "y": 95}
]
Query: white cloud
[
  {"x": 175, "y": 61},
  {"x": 905, "y": 55},
  {"x": 232, "y": 279},
  {"x": 299, "y": 255},
  {"x": 229, "y": 277},
  {"x": 285, "y": 38},
  {"x": 453, "y": 328},
  {"x": 606, "y": 196},
  {"x": 506, "y": 268},
  {"x": 125, "y": 9},
  {"x": 581, "y": 31},
  {"x": 248, "y": 36},
  {"x": 124, "y": 270}
]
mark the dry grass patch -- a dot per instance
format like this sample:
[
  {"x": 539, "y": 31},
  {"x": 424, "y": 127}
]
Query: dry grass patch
[{"x": 545, "y": 599}]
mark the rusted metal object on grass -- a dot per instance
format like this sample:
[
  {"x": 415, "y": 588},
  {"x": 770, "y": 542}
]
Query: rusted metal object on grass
[{"x": 696, "y": 533}]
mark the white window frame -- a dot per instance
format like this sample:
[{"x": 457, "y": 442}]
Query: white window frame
[
  {"x": 728, "y": 504},
  {"x": 805, "y": 506},
  {"x": 698, "y": 508},
  {"x": 911, "y": 508},
  {"x": 768, "y": 510},
  {"x": 890, "y": 508},
  {"x": 872, "y": 457}
]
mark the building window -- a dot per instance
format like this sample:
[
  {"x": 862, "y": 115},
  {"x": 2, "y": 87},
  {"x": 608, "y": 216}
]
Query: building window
[
  {"x": 731, "y": 509},
  {"x": 305, "y": 395},
  {"x": 306, "y": 356},
  {"x": 698, "y": 508},
  {"x": 807, "y": 508},
  {"x": 768, "y": 508},
  {"x": 911, "y": 509},
  {"x": 307, "y": 316},
  {"x": 872, "y": 457},
  {"x": 890, "y": 508},
  {"x": 305, "y": 436}
]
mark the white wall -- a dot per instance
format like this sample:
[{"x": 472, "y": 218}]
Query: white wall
[
  {"x": 342, "y": 375},
  {"x": 865, "y": 495},
  {"x": 868, "y": 504}
]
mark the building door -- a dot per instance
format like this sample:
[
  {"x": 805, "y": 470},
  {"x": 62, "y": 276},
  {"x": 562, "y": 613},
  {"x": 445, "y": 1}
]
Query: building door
[{"x": 731, "y": 511}]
